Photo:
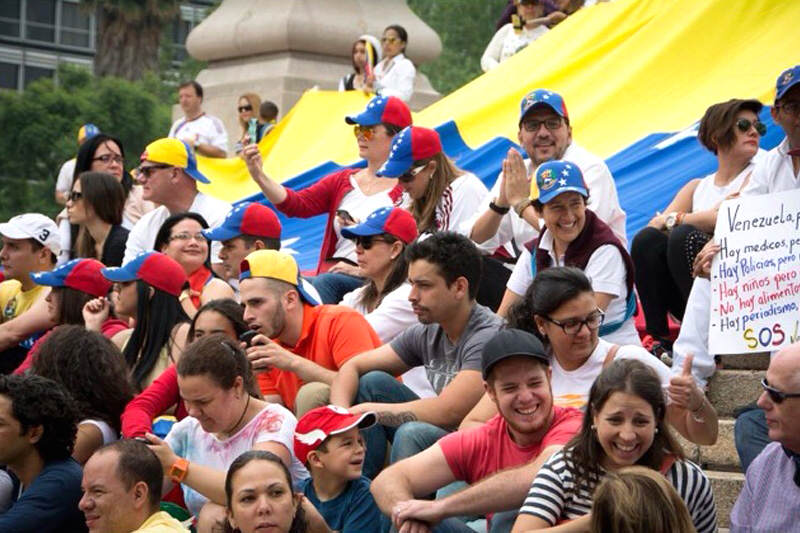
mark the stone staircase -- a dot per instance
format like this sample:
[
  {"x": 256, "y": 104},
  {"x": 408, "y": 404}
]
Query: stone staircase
[{"x": 737, "y": 383}]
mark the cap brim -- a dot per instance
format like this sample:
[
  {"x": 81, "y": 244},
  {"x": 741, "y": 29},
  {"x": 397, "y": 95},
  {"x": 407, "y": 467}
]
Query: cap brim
[
  {"x": 363, "y": 119},
  {"x": 220, "y": 233},
  {"x": 394, "y": 169},
  {"x": 197, "y": 175},
  {"x": 366, "y": 420},
  {"x": 361, "y": 230},
  {"x": 12, "y": 231},
  {"x": 545, "y": 104},
  {"x": 304, "y": 293},
  {"x": 541, "y": 357},
  {"x": 547, "y": 196},
  {"x": 118, "y": 274},
  {"x": 47, "y": 278}
]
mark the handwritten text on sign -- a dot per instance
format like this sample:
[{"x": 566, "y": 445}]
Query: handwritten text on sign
[{"x": 755, "y": 278}]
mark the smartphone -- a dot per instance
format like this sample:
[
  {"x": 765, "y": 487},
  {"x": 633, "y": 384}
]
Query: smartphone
[
  {"x": 247, "y": 337},
  {"x": 253, "y": 130},
  {"x": 346, "y": 217}
]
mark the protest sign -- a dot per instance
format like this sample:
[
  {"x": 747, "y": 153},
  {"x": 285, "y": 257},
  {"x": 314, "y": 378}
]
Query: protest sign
[{"x": 755, "y": 278}]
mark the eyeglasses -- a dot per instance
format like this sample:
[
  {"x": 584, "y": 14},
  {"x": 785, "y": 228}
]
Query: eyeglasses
[
  {"x": 185, "y": 236},
  {"x": 776, "y": 395},
  {"x": 572, "y": 326},
  {"x": 744, "y": 126},
  {"x": 243, "y": 108},
  {"x": 108, "y": 158},
  {"x": 790, "y": 108},
  {"x": 147, "y": 172},
  {"x": 368, "y": 132},
  {"x": 551, "y": 124},
  {"x": 390, "y": 40},
  {"x": 74, "y": 196},
  {"x": 528, "y": 2},
  {"x": 366, "y": 241},
  {"x": 409, "y": 176}
]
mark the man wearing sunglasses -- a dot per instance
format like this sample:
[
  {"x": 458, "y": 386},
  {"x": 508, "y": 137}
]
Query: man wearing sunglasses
[
  {"x": 204, "y": 133},
  {"x": 770, "y": 498}
]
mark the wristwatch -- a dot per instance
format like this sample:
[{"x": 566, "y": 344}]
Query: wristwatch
[
  {"x": 672, "y": 218},
  {"x": 498, "y": 209},
  {"x": 177, "y": 472}
]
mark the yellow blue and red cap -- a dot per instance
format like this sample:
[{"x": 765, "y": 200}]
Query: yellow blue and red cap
[
  {"x": 80, "y": 274},
  {"x": 87, "y": 131},
  {"x": 557, "y": 177},
  {"x": 249, "y": 218},
  {"x": 176, "y": 153},
  {"x": 388, "y": 109},
  {"x": 543, "y": 97},
  {"x": 277, "y": 265},
  {"x": 411, "y": 144}
]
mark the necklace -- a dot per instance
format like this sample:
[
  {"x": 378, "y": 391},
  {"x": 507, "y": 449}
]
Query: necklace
[{"x": 246, "y": 405}]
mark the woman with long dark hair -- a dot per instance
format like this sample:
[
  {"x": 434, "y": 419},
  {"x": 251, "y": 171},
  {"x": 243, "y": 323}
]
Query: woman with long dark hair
[
  {"x": 181, "y": 238},
  {"x": 95, "y": 205},
  {"x": 366, "y": 51},
  {"x": 624, "y": 425}
]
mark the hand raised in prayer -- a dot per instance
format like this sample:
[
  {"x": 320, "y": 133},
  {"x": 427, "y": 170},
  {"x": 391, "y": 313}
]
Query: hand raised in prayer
[{"x": 515, "y": 178}]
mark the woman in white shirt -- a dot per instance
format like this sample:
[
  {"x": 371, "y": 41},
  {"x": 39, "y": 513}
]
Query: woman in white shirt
[
  {"x": 510, "y": 39},
  {"x": 664, "y": 251},
  {"x": 395, "y": 73}
]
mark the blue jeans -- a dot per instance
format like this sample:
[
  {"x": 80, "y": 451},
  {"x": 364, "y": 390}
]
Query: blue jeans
[
  {"x": 407, "y": 439},
  {"x": 332, "y": 286},
  {"x": 750, "y": 434}
]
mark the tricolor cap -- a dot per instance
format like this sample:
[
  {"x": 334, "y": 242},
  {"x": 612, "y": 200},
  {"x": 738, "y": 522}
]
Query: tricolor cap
[
  {"x": 395, "y": 221},
  {"x": 250, "y": 218},
  {"x": 543, "y": 97},
  {"x": 510, "y": 343},
  {"x": 176, "y": 153},
  {"x": 411, "y": 144},
  {"x": 33, "y": 226},
  {"x": 154, "y": 268},
  {"x": 557, "y": 177},
  {"x": 276, "y": 265},
  {"x": 388, "y": 109},
  {"x": 80, "y": 274},
  {"x": 788, "y": 79},
  {"x": 320, "y": 423},
  {"x": 87, "y": 131}
]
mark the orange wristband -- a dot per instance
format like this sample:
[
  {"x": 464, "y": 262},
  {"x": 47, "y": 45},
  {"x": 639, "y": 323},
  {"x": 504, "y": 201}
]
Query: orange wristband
[{"x": 177, "y": 472}]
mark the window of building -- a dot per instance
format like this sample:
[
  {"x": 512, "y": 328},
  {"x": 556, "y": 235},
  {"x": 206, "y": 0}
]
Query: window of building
[
  {"x": 9, "y": 18},
  {"x": 34, "y": 73},
  {"x": 40, "y": 20},
  {"x": 75, "y": 26},
  {"x": 9, "y": 75}
]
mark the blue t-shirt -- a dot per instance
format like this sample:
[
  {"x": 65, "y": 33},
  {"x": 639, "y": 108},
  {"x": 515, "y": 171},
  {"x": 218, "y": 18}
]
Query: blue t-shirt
[
  {"x": 352, "y": 511},
  {"x": 50, "y": 503}
]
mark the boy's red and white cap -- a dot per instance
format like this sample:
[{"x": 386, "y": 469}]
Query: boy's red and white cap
[{"x": 318, "y": 424}]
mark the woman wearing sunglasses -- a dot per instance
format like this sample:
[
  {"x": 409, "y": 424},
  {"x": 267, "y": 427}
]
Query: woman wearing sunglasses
[
  {"x": 181, "y": 238},
  {"x": 394, "y": 74},
  {"x": 439, "y": 195},
  {"x": 247, "y": 108},
  {"x": 664, "y": 251},
  {"x": 625, "y": 425},
  {"x": 348, "y": 196},
  {"x": 560, "y": 307}
]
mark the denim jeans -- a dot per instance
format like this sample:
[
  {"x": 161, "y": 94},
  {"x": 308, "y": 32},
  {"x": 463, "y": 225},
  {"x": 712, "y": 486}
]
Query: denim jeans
[
  {"x": 407, "y": 439},
  {"x": 750, "y": 434},
  {"x": 332, "y": 286}
]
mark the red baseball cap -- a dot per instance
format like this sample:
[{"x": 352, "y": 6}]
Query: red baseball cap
[
  {"x": 395, "y": 221},
  {"x": 388, "y": 109},
  {"x": 411, "y": 144},
  {"x": 318, "y": 424},
  {"x": 80, "y": 274},
  {"x": 250, "y": 218},
  {"x": 154, "y": 268}
]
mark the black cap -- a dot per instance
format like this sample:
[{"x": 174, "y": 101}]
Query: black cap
[{"x": 508, "y": 343}]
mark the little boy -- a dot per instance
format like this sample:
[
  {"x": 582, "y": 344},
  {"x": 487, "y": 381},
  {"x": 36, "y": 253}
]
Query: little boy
[{"x": 328, "y": 441}]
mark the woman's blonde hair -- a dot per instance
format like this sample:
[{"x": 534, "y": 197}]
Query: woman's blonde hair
[
  {"x": 637, "y": 499},
  {"x": 255, "y": 102},
  {"x": 424, "y": 210}
]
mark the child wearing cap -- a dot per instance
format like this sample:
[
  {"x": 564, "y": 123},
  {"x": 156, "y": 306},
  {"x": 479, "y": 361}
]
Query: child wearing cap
[
  {"x": 440, "y": 195},
  {"x": 328, "y": 441},
  {"x": 348, "y": 196}
]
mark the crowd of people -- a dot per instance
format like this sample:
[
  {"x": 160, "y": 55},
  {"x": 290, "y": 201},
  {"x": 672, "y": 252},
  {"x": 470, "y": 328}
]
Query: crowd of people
[{"x": 459, "y": 359}]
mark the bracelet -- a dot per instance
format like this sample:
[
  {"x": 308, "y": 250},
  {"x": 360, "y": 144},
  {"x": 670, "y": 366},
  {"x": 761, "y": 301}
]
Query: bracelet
[
  {"x": 177, "y": 472},
  {"x": 521, "y": 206},
  {"x": 498, "y": 209},
  {"x": 698, "y": 417}
]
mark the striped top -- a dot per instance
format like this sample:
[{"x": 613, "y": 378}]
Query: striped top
[{"x": 554, "y": 497}]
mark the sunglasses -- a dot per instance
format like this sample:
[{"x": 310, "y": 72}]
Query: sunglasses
[
  {"x": 147, "y": 172},
  {"x": 744, "y": 126},
  {"x": 390, "y": 40},
  {"x": 572, "y": 326},
  {"x": 108, "y": 158},
  {"x": 74, "y": 196},
  {"x": 551, "y": 124},
  {"x": 409, "y": 176},
  {"x": 776, "y": 395},
  {"x": 364, "y": 131},
  {"x": 366, "y": 241},
  {"x": 243, "y": 108}
]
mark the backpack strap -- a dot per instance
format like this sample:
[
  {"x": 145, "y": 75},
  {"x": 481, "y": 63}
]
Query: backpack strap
[{"x": 612, "y": 353}]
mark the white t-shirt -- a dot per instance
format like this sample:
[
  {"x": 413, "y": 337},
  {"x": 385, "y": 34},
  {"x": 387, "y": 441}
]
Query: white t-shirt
[
  {"x": 395, "y": 77},
  {"x": 206, "y": 128},
  {"x": 109, "y": 434},
  {"x": 605, "y": 270},
  {"x": 64, "y": 181},
  {"x": 571, "y": 387},
  {"x": 360, "y": 206},
  {"x": 773, "y": 173},
  {"x": 187, "y": 439},
  {"x": 506, "y": 42},
  {"x": 143, "y": 235}
]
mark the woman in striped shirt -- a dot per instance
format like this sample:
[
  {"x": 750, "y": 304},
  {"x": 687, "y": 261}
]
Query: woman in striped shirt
[{"x": 624, "y": 425}]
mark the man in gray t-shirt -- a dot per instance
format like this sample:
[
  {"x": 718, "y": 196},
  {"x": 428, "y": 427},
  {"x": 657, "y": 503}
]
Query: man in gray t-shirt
[{"x": 444, "y": 272}]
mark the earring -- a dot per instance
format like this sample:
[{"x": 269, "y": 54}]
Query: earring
[
  {"x": 593, "y": 427},
  {"x": 656, "y": 431}
]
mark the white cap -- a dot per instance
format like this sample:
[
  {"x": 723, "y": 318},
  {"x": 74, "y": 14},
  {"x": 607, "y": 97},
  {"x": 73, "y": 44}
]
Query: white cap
[{"x": 33, "y": 226}]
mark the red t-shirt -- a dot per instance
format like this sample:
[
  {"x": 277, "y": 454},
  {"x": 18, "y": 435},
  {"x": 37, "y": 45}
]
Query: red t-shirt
[{"x": 480, "y": 452}]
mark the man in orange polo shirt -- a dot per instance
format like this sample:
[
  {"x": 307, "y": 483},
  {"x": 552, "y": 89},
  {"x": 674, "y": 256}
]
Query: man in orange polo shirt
[{"x": 301, "y": 345}]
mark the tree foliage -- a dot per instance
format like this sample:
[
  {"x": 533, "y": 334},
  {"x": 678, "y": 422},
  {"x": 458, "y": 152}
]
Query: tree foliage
[{"x": 465, "y": 28}]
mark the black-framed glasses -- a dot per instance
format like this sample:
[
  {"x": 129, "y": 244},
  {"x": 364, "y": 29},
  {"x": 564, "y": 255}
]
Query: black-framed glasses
[
  {"x": 572, "y": 326},
  {"x": 74, "y": 196},
  {"x": 390, "y": 40},
  {"x": 108, "y": 158},
  {"x": 366, "y": 241},
  {"x": 243, "y": 108},
  {"x": 147, "y": 172},
  {"x": 409, "y": 176},
  {"x": 551, "y": 124},
  {"x": 790, "y": 108},
  {"x": 777, "y": 396},
  {"x": 744, "y": 126}
]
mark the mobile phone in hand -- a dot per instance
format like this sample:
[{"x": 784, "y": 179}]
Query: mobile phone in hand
[
  {"x": 247, "y": 337},
  {"x": 252, "y": 130}
]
